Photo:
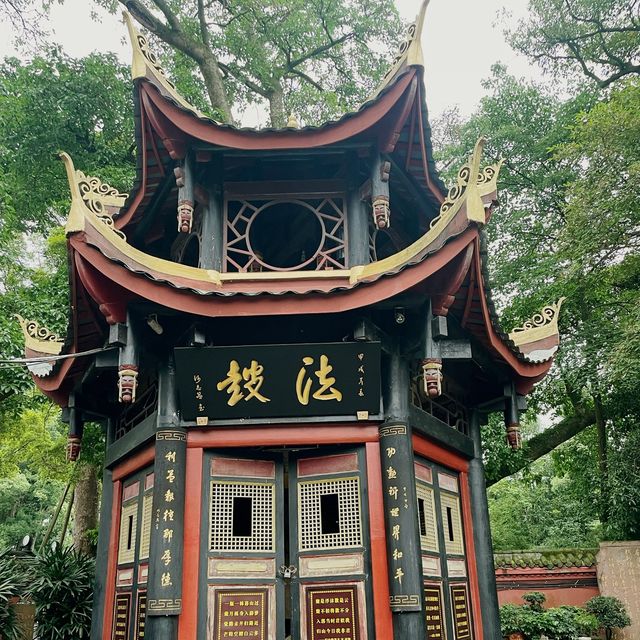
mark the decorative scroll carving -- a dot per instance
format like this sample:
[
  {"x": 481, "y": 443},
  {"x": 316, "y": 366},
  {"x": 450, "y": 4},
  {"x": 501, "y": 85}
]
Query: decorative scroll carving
[
  {"x": 542, "y": 325},
  {"x": 108, "y": 221},
  {"x": 39, "y": 338},
  {"x": 471, "y": 177},
  {"x": 127, "y": 383},
  {"x": 150, "y": 57},
  {"x": 432, "y": 377},
  {"x": 97, "y": 195}
]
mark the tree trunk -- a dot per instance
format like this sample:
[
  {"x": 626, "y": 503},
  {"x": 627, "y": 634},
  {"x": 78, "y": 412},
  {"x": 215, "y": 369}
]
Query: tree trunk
[
  {"x": 276, "y": 107},
  {"x": 86, "y": 508},
  {"x": 603, "y": 465},
  {"x": 548, "y": 440},
  {"x": 215, "y": 88}
]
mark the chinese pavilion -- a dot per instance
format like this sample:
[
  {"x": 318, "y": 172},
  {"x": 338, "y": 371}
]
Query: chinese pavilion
[{"x": 290, "y": 340}]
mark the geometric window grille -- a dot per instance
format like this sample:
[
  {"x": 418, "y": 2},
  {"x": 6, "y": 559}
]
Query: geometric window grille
[
  {"x": 145, "y": 533},
  {"x": 427, "y": 518},
  {"x": 128, "y": 529},
  {"x": 284, "y": 235},
  {"x": 452, "y": 524},
  {"x": 349, "y": 529},
  {"x": 221, "y": 532}
]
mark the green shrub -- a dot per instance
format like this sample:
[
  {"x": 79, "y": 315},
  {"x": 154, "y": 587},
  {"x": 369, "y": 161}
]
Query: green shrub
[
  {"x": 62, "y": 591},
  {"x": 561, "y": 623},
  {"x": 535, "y": 600},
  {"x": 11, "y": 587},
  {"x": 609, "y": 612}
]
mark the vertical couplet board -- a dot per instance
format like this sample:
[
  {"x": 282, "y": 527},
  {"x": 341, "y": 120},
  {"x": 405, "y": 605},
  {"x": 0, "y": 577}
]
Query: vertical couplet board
[
  {"x": 165, "y": 567},
  {"x": 397, "y": 480}
]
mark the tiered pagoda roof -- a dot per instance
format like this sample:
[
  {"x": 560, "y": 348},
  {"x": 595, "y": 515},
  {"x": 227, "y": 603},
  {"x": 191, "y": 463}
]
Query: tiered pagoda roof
[{"x": 106, "y": 229}]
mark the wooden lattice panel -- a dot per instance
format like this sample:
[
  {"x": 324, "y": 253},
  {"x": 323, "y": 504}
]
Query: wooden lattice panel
[
  {"x": 311, "y": 536},
  {"x": 240, "y": 254},
  {"x": 452, "y": 524},
  {"x": 128, "y": 529},
  {"x": 262, "y": 496},
  {"x": 427, "y": 517},
  {"x": 145, "y": 533}
]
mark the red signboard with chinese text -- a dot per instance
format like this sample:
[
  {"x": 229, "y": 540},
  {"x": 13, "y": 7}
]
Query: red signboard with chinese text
[
  {"x": 332, "y": 613},
  {"x": 241, "y": 614}
]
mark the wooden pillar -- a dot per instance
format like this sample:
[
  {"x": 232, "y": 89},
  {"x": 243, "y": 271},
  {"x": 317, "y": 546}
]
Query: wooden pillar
[
  {"x": 211, "y": 242},
  {"x": 357, "y": 221},
  {"x": 164, "y": 596},
  {"x": 381, "y": 209},
  {"x": 399, "y": 491},
  {"x": 482, "y": 537},
  {"x": 185, "y": 179},
  {"x": 102, "y": 557}
]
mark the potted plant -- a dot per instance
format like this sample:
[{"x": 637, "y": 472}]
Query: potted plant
[{"x": 609, "y": 612}]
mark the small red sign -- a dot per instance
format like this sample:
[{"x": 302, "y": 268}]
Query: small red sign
[
  {"x": 241, "y": 614},
  {"x": 332, "y": 613}
]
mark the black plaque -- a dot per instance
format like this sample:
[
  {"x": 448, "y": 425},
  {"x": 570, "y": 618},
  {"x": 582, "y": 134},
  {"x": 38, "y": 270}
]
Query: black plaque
[
  {"x": 433, "y": 612},
  {"x": 278, "y": 380},
  {"x": 461, "y": 617}
]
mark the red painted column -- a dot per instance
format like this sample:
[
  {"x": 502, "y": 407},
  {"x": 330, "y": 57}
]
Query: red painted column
[
  {"x": 110, "y": 583},
  {"x": 379, "y": 567},
  {"x": 188, "y": 621}
]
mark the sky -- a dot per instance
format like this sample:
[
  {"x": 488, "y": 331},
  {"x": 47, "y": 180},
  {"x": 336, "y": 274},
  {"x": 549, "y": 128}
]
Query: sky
[{"x": 461, "y": 40}]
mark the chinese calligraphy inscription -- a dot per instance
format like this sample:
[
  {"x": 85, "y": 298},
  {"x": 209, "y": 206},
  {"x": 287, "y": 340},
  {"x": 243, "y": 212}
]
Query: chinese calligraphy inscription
[
  {"x": 332, "y": 613},
  {"x": 241, "y": 614},
  {"x": 278, "y": 380}
]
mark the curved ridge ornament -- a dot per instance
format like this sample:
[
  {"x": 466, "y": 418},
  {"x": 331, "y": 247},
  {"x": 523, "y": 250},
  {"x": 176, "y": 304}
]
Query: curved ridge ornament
[
  {"x": 473, "y": 184},
  {"x": 39, "y": 338},
  {"x": 145, "y": 64},
  {"x": 409, "y": 53},
  {"x": 541, "y": 325}
]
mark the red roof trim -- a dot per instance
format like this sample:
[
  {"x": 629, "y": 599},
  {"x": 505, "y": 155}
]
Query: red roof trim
[{"x": 209, "y": 132}]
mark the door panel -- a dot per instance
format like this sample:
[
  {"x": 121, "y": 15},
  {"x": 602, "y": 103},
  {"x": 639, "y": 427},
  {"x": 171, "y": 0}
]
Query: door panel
[
  {"x": 244, "y": 545},
  {"x": 286, "y": 547},
  {"x": 329, "y": 546}
]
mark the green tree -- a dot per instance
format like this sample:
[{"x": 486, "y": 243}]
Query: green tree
[
  {"x": 597, "y": 38},
  {"x": 316, "y": 57}
]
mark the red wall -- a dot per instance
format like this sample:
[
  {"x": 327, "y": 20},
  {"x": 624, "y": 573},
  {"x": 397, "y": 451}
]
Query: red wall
[{"x": 561, "y": 585}]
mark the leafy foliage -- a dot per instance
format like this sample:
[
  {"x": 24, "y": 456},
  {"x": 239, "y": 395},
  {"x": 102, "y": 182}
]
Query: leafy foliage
[
  {"x": 598, "y": 38},
  {"x": 561, "y": 623},
  {"x": 609, "y": 612},
  {"x": 62, "y": 591},
  {"x": 12, "y": 582},
  {"x": 312, "y": 57}
]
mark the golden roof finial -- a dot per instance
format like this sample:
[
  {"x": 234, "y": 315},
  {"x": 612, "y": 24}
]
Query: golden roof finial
[
  {"x": 472, "y": 184},
  {"x": 145, "y": 64},
  {"x": 292, "y": 122},
  {"x": 409, "y": 53}
]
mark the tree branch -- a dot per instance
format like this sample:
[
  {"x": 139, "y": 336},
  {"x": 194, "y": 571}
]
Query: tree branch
[
  {"x": 240, "y": 77},
  {"x": 321, "y": 49},
  {"x": 548, "y": 440}
]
